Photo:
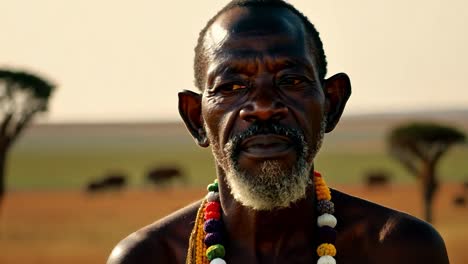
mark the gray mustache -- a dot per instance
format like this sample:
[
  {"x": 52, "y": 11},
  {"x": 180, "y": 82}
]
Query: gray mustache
[{"x": 258, "y": 128}]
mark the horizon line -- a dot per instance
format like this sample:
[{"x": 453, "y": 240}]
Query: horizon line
[{"x": 78, "y": 121}]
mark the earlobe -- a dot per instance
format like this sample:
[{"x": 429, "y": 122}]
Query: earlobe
[
  {"x": 202, "y": 139},
  {"x": 337, "y": 91},
  {"x": 190, "y": 111}
]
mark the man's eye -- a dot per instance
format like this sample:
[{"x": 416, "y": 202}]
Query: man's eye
[
  {"x": 238, "y": 87},
  {"x": 230, "y": 87},
  {"x": 291, "y": 81}
]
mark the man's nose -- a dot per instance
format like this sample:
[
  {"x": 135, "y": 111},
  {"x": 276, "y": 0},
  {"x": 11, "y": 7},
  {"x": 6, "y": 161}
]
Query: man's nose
[{"x": 264, "y": 107}]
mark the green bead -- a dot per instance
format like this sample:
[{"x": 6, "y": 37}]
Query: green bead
[
  {"x": 215, "y": 251},
  {"x": 213, "y": 187}
]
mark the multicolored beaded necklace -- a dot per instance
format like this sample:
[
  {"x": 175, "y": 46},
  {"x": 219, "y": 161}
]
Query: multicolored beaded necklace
[{"x": 206, "y": 239}]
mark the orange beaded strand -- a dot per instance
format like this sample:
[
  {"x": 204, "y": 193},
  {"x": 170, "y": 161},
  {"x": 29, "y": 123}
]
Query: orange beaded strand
[
  {"x": 196, "y": 250},
  {"x": 201, "y": 247}
]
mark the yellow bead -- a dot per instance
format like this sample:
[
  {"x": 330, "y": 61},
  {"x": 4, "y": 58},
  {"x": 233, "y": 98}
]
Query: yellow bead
[{"x": 326, "y": 249}]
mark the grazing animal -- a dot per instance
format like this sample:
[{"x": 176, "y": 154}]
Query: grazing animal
[
  {"x": 459, "y": 200},
  {"x": 162, "y": 175},
  {"x": 112, "y": 181},
  {"x": 377, "y": 179}
]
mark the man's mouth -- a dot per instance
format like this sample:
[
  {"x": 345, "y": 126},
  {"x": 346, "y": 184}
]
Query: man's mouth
[{"x": 266, "y": 146}]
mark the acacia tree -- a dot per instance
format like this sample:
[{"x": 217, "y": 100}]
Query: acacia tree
[
  {"x": 22, "y": 96},
  {"x": 419, "y": 147}
]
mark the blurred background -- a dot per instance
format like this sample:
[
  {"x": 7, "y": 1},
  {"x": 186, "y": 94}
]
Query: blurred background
[{"x": 92, "y": 148}]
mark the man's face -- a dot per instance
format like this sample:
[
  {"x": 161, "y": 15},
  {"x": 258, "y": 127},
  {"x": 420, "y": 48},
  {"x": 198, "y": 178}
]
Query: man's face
[{"x": 263, "y": 105}]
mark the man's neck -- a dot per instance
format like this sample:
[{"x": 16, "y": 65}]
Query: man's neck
[{"x": 268, "y": 233}]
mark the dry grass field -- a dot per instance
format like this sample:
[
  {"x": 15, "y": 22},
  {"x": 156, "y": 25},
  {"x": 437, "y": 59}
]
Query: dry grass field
[
  {"x": 72, "y": 227},
  {"x": 47, "y": 218}
]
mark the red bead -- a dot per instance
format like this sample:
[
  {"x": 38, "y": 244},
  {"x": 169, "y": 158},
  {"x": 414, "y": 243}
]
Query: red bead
[
  {"x": 212, "y": 207},
  {"x": 212, "y": 215}
]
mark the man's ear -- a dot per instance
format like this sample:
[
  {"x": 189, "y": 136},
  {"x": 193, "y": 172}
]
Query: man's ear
[
  {"x": 190, "y": 111},
  {"x": 337, "y": 91}
]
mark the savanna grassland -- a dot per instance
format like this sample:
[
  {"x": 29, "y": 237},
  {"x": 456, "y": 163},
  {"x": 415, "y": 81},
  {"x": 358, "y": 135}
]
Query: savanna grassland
[
  {"x": 71, "y": 227},
  {"x": 47, "y": 217}
]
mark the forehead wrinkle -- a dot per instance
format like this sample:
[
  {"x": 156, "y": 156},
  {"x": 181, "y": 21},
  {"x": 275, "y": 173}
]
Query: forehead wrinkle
[
  {"x": 233, "y": 63},
  {"x": 248, "y": 62},
  {"x": 280, "y": 62}
]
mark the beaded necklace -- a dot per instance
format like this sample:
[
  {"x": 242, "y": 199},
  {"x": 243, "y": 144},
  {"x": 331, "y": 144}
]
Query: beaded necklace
[{"x": 206, "y": 239}]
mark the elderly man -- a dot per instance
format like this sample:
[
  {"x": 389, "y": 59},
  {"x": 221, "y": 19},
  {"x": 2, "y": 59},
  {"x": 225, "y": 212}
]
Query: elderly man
[{"x": 264, "y": 107}]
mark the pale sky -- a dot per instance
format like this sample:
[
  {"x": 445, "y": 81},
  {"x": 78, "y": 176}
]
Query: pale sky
[{"x": 126, "y": 60}]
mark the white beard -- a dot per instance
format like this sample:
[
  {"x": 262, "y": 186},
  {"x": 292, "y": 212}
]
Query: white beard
[{"x": 274, "y": 186}]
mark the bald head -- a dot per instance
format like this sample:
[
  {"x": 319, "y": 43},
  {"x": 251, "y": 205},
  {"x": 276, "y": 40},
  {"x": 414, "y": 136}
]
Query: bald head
[
  {"x": 260, "y": 20},
  {"x": 234, "y": 28}
]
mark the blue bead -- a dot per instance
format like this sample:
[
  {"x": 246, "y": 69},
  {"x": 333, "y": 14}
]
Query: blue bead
[
  {"x": 214, "y": 238},
  {"x": 213, "y": 225}
]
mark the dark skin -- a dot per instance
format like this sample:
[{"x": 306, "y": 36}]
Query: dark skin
[{"x": 260, "y": 69}]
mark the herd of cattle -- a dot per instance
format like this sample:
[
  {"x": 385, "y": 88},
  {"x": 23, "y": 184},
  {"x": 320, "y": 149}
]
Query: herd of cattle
[
  {"x": 163, "y": 175},
  {"x": 118, "y": 180}
]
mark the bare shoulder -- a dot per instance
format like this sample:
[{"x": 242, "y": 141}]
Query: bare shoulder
[
  {"x": 385, "y": 235},
  {"x": 164, "y": 241},
  {"x": 410, "y": 240}
]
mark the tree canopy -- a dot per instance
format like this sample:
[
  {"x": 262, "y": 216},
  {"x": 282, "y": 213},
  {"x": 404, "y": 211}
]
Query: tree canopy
[
  {"x": 423, "y": 141},
  {"x": 22, "y": 95},
  {"x": 427, "y": 133}
]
